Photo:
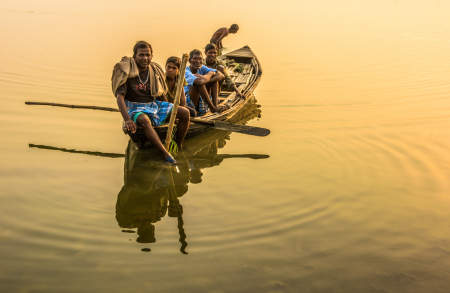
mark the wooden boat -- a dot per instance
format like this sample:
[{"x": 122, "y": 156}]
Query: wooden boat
[{"x": 245, "y": 70}]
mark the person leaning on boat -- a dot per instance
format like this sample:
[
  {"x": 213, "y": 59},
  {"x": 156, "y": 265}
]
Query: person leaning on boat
[
  {"x": 138, "y": 83},
  {"x": 212, "y": 62},
  {"x": 221, "y": 33},
  {"x": 202, "y": 85}
]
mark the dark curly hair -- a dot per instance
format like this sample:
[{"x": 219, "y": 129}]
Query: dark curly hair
[
  {"x": 195, "y": 52},
  {"x": 175, "y": 60},
  {"x": 210, "y": 46},
  {"x": 141, "y": 45}
]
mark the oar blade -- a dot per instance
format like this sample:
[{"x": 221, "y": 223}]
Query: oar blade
[{"x": 245, "y": 129}]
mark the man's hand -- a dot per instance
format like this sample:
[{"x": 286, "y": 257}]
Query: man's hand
[
  {"x": 130, "y": 126},
  {"x": 217, "y": 76},
  {"x": 239, "y": 94},
  {"x": 222, "y": 108},
  {"x": 202, "y": 79},
  {"x": 192, "y": 111}
]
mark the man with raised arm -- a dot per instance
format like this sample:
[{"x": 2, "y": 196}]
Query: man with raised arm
[
  {"x": 138, "y": 83},
  {"x": 202, "y": 85},
  {"x": 221, "y": 33}
]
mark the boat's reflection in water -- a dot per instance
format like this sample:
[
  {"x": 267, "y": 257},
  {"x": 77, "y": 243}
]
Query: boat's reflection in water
[{"x": 152, "y": 189}]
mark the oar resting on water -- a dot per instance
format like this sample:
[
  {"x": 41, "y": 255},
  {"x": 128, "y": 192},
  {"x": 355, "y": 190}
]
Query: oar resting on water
[
  {"x": 221, "y": 125},
  {"x": 116, "y": 155}
]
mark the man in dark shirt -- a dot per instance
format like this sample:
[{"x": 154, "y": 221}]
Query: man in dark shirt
[
  {"x": 221, "y": 33},
  {"x": 138, "y": 100}
]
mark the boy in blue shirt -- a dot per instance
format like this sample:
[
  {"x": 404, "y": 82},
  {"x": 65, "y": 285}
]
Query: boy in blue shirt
[{"x": 202, "y": 85}]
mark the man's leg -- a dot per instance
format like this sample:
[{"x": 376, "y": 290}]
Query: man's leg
[
  {"x": 205, "y": 96},
  {"x": 198, "y": 91},
  {"x": 213, "y": 89},
  {"x": 194, "y": 94},
  {"x": 182, "y": 126},
  {"x": 151, "y": 134}
]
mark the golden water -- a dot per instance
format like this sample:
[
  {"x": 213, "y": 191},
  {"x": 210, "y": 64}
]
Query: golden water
[{"x": 354, "y": 196}]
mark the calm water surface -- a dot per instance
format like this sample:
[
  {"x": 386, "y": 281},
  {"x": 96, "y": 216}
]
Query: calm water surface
[{"x": 349, "y": 193}]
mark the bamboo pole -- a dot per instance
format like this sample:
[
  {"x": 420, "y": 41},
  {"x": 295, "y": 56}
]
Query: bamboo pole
[
  {"x": 176, "y": 103},
  {"x": 72, "y": 106}
]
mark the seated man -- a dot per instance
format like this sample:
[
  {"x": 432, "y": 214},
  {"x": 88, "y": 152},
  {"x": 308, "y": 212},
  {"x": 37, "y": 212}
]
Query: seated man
[
  {"x": 172, "y": 74},
  {"x": 202, "y": 84},
  {"x": 221, "y": 33},
  {"x": 137, "y": 83},
  {"x": 212, "y": 62}
]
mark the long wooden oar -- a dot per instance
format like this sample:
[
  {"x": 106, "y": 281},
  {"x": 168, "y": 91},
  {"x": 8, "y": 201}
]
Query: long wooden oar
[
  {"x": 176, "y": 103},
  {"x": 245, "y": 129}
]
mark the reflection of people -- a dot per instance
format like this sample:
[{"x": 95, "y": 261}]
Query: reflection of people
[
  {"x": 206, "y": 157},
  {"x": 152, "y": 190},
  {"x": 141, "y": 202},
  {"x": 137, "y": 83},
  {"x": 146, "y": 233},
  {"x": 221, "y": 33},
  {"x": 149, "y": 192}
]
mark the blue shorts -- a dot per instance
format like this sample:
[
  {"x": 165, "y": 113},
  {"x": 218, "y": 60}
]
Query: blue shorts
[
  {"x": 202, "y": 106},
  {"x": 157, "y": 111}
]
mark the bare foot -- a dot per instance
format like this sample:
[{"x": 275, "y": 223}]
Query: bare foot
[{"x": 169, "y": 159}]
